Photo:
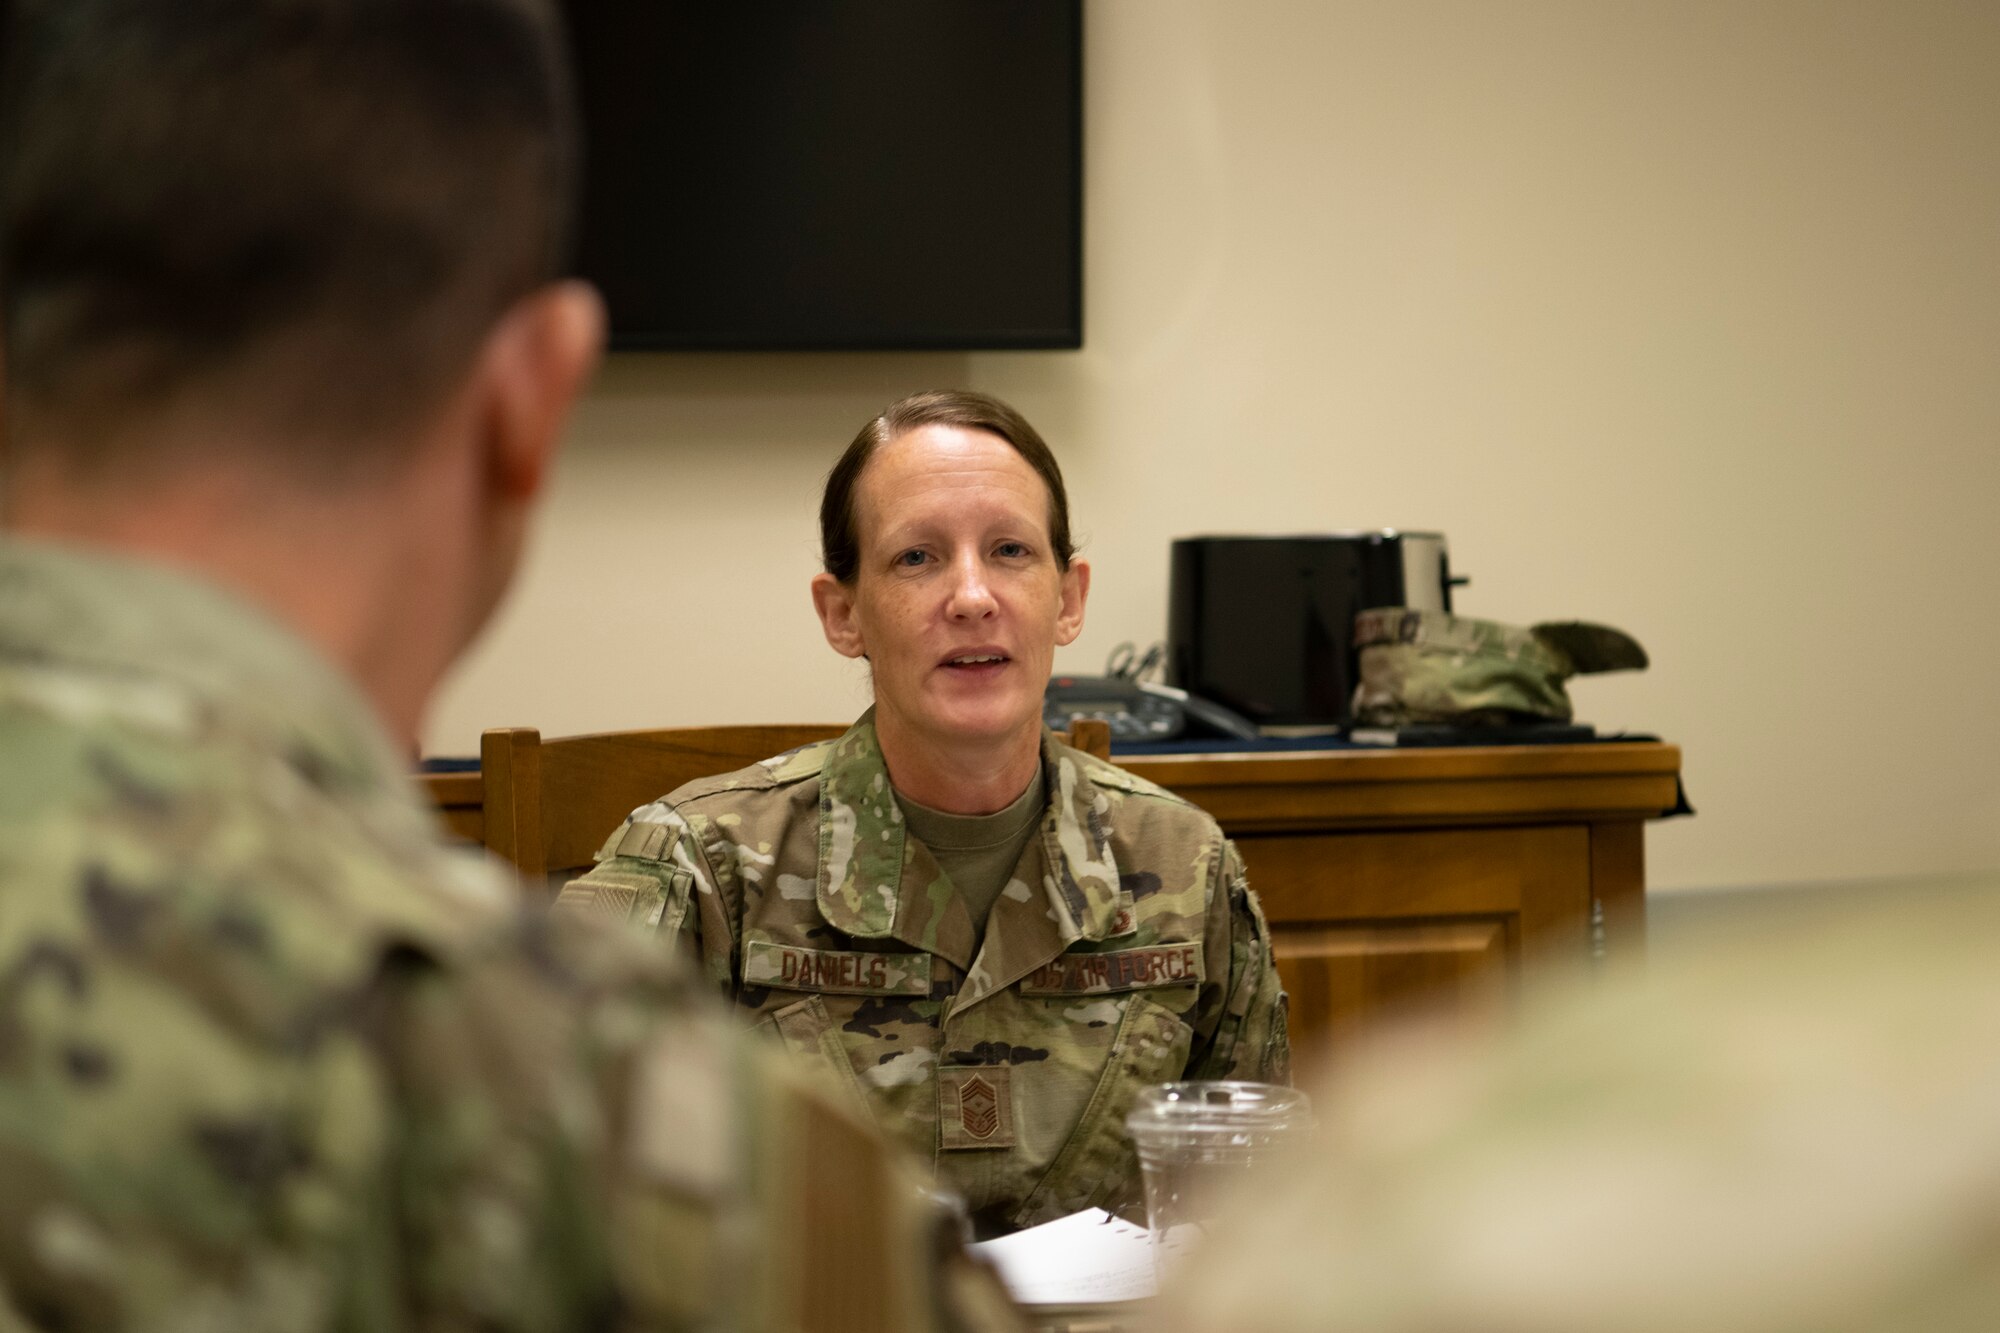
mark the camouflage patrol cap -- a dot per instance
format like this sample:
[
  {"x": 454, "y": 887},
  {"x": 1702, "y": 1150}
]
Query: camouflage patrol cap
[{"x": 1429, "y": 666}]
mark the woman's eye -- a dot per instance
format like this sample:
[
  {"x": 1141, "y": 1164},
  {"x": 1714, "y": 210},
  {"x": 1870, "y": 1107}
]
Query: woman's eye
[
  {"x": 1011, "y": 550},
  {"x": 910, "y": 559}
]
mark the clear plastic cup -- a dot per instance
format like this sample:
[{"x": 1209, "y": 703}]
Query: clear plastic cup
[{"x": 1197, "y": 1141}]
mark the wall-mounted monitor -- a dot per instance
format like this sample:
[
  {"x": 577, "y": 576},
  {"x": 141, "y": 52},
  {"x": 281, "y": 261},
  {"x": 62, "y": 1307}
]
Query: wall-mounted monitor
[{"x": 813, "y": 174}]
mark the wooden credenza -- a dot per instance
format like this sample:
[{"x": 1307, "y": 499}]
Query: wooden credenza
[
  {"x": 1393, "y": 877},
  {"x": 1397, "y": 877}
]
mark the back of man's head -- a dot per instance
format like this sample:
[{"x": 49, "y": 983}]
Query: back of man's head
[{"x": 293, "y": 218}]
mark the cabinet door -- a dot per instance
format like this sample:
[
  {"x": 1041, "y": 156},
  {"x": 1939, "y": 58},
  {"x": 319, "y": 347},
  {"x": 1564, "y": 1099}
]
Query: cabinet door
[
  {"x": 1342, "y": 977},
  {"x": 1365, "y": 924}
]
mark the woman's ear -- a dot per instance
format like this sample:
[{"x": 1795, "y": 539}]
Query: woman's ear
[
  {"x": 834, "y": 601},
  {"x": 1075, "y": 592}
]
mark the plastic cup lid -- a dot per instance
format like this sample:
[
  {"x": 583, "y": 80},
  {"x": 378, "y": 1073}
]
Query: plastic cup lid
[{"x": 1221, "y": 1105}]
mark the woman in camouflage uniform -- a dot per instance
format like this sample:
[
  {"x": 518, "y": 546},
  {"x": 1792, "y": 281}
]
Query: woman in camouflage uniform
[{"x": 990, "y": 939}]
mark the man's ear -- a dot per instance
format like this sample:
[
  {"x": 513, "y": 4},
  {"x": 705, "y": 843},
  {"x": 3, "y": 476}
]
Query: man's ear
[
  {"x": 1075, "y": 592},
  {"x": 834, "y": 601},
  {"x": 534, "y": 364}
]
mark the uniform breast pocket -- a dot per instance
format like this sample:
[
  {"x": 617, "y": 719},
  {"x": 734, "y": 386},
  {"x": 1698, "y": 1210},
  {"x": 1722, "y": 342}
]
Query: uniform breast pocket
[
  {"x": 866, "y": 1017},
  {"x": 1097, "y": 1167},
  {"x": 806, "y": 1028}
]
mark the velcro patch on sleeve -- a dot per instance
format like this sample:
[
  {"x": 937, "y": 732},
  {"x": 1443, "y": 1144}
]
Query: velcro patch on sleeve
[
  {"x": 835, "y": 972},
  {"x": 1118, "y": 970},
  {"x": 683, "y": 1119},
  {"x": 646, "y": 842}
]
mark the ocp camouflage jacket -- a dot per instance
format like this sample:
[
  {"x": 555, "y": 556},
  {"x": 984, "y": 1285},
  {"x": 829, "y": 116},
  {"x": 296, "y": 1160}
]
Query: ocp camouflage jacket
[
  {"x": 1126, "y": 949},
  {"x": 272, "y": 1057}
]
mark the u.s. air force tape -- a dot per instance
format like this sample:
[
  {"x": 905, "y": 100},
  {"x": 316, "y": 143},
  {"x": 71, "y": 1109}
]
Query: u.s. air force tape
[
  {"x": 1117, "y": 970},
  {"x": 835, "y": 972}
]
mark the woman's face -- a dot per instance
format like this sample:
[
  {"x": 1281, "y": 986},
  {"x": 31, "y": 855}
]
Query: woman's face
[{"x": 958, "y": 602}]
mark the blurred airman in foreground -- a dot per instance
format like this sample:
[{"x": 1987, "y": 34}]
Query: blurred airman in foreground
[
  {"x": 1786, "y": 1126},
  {"x": 285, "y": 366}
]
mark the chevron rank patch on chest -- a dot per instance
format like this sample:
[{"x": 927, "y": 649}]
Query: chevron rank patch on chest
[
  {"x": 975, "y": 1106},
  {"x": 836, "y": 972},
  {"x": 1118, "y": 970}
]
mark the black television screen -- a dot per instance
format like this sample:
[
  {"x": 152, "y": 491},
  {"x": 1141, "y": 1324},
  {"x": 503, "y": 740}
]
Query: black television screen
[{"x": 833, "y": 173}]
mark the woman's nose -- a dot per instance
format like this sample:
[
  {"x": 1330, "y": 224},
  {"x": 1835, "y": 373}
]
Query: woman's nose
[{"x": 971, "y": 598}]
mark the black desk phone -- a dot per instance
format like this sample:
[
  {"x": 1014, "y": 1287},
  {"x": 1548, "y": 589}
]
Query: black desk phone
[{"x": 1138, "y": 711}]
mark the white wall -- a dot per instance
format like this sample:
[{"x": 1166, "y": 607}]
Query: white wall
[{"x": 1683, "y": 316}]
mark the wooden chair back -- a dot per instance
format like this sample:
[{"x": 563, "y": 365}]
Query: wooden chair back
[{"x": 548, "y": 805}]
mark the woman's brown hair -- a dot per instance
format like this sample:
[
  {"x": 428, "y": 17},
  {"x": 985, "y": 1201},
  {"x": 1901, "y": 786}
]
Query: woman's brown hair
[{"x": 839, "y": 535}]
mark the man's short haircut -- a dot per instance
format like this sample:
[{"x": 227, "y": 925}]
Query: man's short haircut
[
  {"x": 839, "y": 530},
  {"x": 306, "y": 214}
]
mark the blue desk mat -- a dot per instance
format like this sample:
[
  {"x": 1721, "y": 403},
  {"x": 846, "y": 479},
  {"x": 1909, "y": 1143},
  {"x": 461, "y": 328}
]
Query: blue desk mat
[{"x": 1420, "y": 738}]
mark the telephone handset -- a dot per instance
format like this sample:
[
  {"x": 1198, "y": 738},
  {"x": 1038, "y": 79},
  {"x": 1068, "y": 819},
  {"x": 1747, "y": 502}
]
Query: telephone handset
[{"x": 1138, "y": 711}]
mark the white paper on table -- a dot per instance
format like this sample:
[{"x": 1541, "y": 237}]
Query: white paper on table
[{"x": 1085, "y": 1258}]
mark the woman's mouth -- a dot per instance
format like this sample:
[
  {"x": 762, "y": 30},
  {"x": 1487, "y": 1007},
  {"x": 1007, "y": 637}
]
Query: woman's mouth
[{"x": 974, "y": 662}]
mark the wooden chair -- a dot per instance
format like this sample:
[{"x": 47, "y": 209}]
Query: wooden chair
[{"x": 548, "y": 805}]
